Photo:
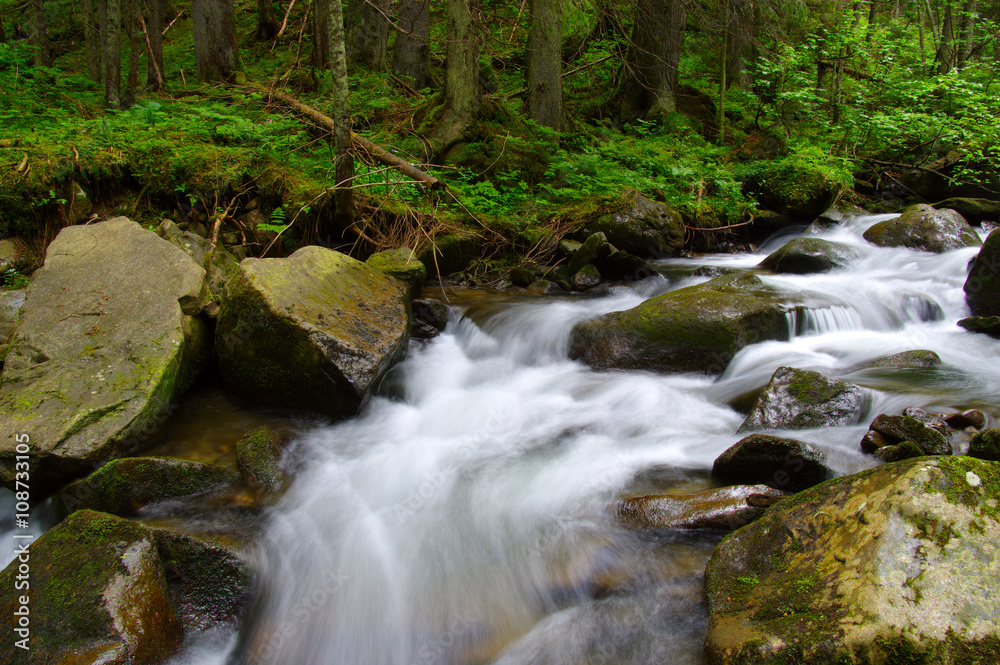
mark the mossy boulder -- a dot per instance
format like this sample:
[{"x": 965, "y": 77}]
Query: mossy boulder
[
  {"x": 8, "y": 254},
  {"x": 808, "y": 255},
  {"x": 924, "y": 228},
  {"x": 926, "y": 434},
  {"x": 314, "y": 331},
  {"x": 785, "y": 464},
  {"x": 799, "y": 186},
  {"x": 803, "y": 399},
  {"x": 636, "y": 225},
  {"x": 123, "y": 486},
  {"x": 915, "y": 359},
  {"x": 986, "y": 325},
  {"x": 223, "y": 264},
  {"x": 594, "y": 248},
  {"x": 623, "y": 266},
  {"x": 986, "y": 445},
  {"x": 836, "y": 214},
  {"x": 695, "y": 329},
  {"x": 897, "y": 564},
  {"x": 975, "y": 211},
  {"x": 451, "y": 253},
  {"x": 109, "y": 337},
  {"x": 725, "y": 508},
  {"x": 586, "y": 277},
  {"x": 982, "y": 288},
  {"x": 402, "y": 264},
  {"x": 258, "y": 455},
  {"x": 98, "y": 587}
]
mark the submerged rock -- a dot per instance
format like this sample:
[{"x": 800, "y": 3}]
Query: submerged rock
[
  {"x": 982, "y": 288},
  {"x": 726, "y": 508},
  {"x": 785, "y": 464},
  {"x": 808, "y": 255},
  {"x": 314, "y": 331},
  {"x": 895, "y": 564},
  {"x": 803, "y": 399},
  {"x": 695, "y": 329},
  {"x": 258, "y": 455},
  {"x": 402, "y": 264},
  {"x": 923, "y": 227},
  {"x": 109, "y": 337}
]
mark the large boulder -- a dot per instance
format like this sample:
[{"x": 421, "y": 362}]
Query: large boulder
[
  {"x": 975, "y": 211},
  {"x": 402, "y": 264},
  {"x": 925, "y": 433},
  {"x": 725, "y": 508},
  {"x": 452, "y": 252},
  {"x": 11, "y": 303},
  {"x": 897, "y": 564},
  {"x": 784, "y": 464},
  {"x": 836, "y": 214},
  {"x": 315, "y": 331},
  {"x": 222, "y": 264},
  {"x": 923, "y": 227},
  {"x": 808, "y": 255},
  {"x": 695, "y": 329},
  {"x": 638, "y": 226},
  {"x": 986, "y": 445},
  {"x": 982, "y": 288},
  {"x": 803, "y": 399},
  {"x": 109, "y": 337}
]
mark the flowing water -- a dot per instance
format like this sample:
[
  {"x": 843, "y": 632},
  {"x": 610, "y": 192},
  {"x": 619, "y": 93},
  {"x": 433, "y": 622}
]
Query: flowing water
[{"x": 464, "y": 516}]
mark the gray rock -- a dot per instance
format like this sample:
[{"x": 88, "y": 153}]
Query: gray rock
[
  {"x": 785, "y": 464},
  {"x": 433, "y": 312},
  {"x": 916, "y": 359},
  {"x": 623, "y": 266},
  {"x": 569, "y": 247},
  {"x": 10, "y": 311},
  {"x": 726, "y": 508},
  {"x": 586, "y": 277},
  {"x": 109, "y": 338},
  {"x": 895, "y": 564},
  {"x": 982, "y": 288},
  {"x": 803, "y": 399},
  {"x": 223, "y": 264},
  {"x": 808, "y": 255},
  {"x": 836, "y": 214},
  {"x": 8, "y": 254},
  {"x": 922, "y": 227},
  {"x": 314, "y": 331}
]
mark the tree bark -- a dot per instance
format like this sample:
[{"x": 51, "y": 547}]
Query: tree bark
[
  {"x": 267, "y": 21},
  {"x": 946, "y": 46},
  {"x": 40, "y": 35},
  {"x": 738, "y": 42},
  {"x": 132, "y": 30},
  {"x": 462, "y": 97},
  {"x": 110, "y": 13},
  {"x": 368, "y": 33},
  {"x": 216, "y": 54},
  {"x": 92, "y": 36},
  {"x": 653, "y": 58},
  {"x": 155, "y": 76},
  {"x": 341, "y": 114},
  {"x": 967, "y": 35},
  {"x": 545, "y": 95},
  {"x": 411, "y": 57},
  {"x": 321, "y": 36}
]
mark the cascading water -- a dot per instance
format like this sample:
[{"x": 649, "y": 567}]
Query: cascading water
[{"x": 465, "y": 517}]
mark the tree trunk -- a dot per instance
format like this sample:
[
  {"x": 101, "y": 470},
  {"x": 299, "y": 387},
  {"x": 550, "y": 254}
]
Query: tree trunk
[
  {"x": 267, "y": 21},
  {"x": 368, "y": 33},
  {"x": 321, "y": 36},
  {"x": 132, "y": 30},
  {"x": 92, "y": 36},
  {"x": 154, "y": 32},
  {"x": 461, "y": 78},
  {"x": 967, "y": 35},
  {"x": 341, "y": 114},
  {"x": 216, "y": 54},
  {"x": 653, "y": 57},
  {"x": 738, "y": 42},
  {"x": 40, "y": 36},
  {"x": 110, "y": 13},
  {"x": 723, "y": 70},
  {"x": 946, "y": 46},
  {"x": 411, "y": 57},
  {"x": 872, "y": 14},
  {"x": 545, "y": 97}
]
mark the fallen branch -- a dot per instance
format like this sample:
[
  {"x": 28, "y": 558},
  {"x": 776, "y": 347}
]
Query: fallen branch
[
  {"x": 284, "y": 21},
  {"x": 169, "y": 25},
  {"x": 152, "y": 59}
]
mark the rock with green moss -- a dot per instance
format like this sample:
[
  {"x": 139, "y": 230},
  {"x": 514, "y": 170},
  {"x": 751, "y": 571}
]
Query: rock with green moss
[
  {"x": 223, "y": 264},
  {"x": 521, "y": 276},
  {"x": 897, "y": 452},
  {"x": 800, "y": 185},
  {"x": 8, "y": 254},
  {"x": 695, "y": 329},
  {"x": 624, "y": 266},
  {"x": 636, "y": 225},
  {"x": 586, "y": 277},
  {"x": 915, "y": 359},
  {"x": 402, "y": 264},
  {"x": 109, "y": 337},
  {"x": 803, "y": 399},
  {"x": 314, "y": 331},
  {"x": 124, "y": 486},
  {"x": 98, "y": 591},
  {"x": 451, "y": 253},
  {"x": 922, "y": 227},
  {"x": 986, "y": 445},
  {"x": 985, "y": 325},
  {"x": 975, "y": 211},
  {"x": 897, "y": 564},
  {"x": 258, "y": 454},
  {"x": 725, "y": 508},
  {"x": 982, "y": 288},
  {"x": 594, "y": 248},
  {"x": 808, "y": 255},
  {"x": 785, "y": 464},
  {"x": 836, "y": 214},
  {"x": 927, "y": 433}
]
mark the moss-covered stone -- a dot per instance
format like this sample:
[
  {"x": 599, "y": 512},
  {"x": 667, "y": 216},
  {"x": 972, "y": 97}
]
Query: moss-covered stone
[
  {"x": 916, "y": 359},
  {"x": 928, "y": 434},
  {"x": 634, "y": 224},
  {"x": 222, "y": 266},
  {"x": 808, "y": 255},
  {"x": 898, "y": 564},
  {"x": 799, "y": 187},
  {"x": 726, "y": 508},
  {"x": 837, "y": 214},
  {"x": 314, "y": 331},
  {"x": 258, "y": 454},
  {"x": 803, "y": 399},
  {"x": 986, "y": 325},
  {"x": 982, "y": 288},
  {"x": 923, "y": 227},
  {"x": 595, "y": 247},
  {"x": 899, "y": 451},
  {"x": 123, "y": 486},
  {"x": 785, "y": 464},
  {"x": 521, "y": 276},
  {"x": 986, "y": 445},
  {"x": 451, "y": 253},
  {"x": 695, "y": 329},
  {"x": 402, "y": 264},
  {"x": 975, "y": 211},
  {"x": 586, "y": 277}
]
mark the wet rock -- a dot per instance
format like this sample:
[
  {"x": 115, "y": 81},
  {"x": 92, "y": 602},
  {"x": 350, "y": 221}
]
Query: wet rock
[
  {"x": 987, "y": 325},
  {"x": 623, "y": 266},
  {"x": 521, "y": 276},
  {"x": 97, "y": 588},
  {"x": 975, "y": 211},
  {"x": 916, "y": 359},
  {"x": 968, "y": 418},
  {"x": 224, "y": 264},
  {"x": 314, "y": 331},
  {"x": 837, "y": 214},
  {"x": 451, "y": 253},
  {"x": 922, "y": 227},
  {"x": 124, "y": 486},
  {"x": 594, "y": 248},
  {"x": 258, "y": 456},
  {"x": 10, "y": 311},
  {"x": 569, "y": 247},
  {"x": 726, "y": 508},
  {"x": 639, "y": 226},
  {"x": 586, "y": 277},
  {"x": 695, "y": 329},
  {"x": 430, "y": 317},
  {"x": 873, "y": 440},
  {"x": 544, "y": 287},
  {"x": 900, "y": 559},
  {"x": 803, "y": 399},
  {"x": 767, "y": 222},
  {"x": 927, "y": 436},
  {"x": 785, "y": 464},
  {"x": 986, "y": 445},
  {"x": 897, "y": 452},
  {"x": 402, "y": 264},
  {"x": 96, "y": 360},
  {"x": 808, "y": 255},
  {"x": 982, "y": 288}
]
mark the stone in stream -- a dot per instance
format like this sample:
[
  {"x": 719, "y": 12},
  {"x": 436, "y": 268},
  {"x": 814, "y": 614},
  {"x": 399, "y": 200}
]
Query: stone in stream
[
  {"x": 695, "y": 329},
  {"x": 586, "y": 277},
  {"x": 258, "y": 455},
  {"x": 314, "y": 331},
  {"x": 916, "y": 359},
  {"x": 987, "y": 325},
  {"x": 986, "y": 445},
  {"x": 922, "y": 227},
  {"x": 803, "y": 399},
  {"x": 636, "y": 225},
  {"x": 726, "y": 508},
  {"x": 925, "y": 432},
  {"x": 430, "y": 316},
  {"x": 836, "y": 214},
  {"x": 802, "y": 256},
  {"x": 402, "y": 264},
  {"x": 522, "y": 277},
  {"x": 897, "y": 564},
  {"x": 785, "y": 464},
  {"x": 109, "y": 337},
  {"x": 975, "y": 211},
  {"x": 596, "y": 247},
  {"x": 982, "y": 288},
  {"x": 968, "y": 418}
]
